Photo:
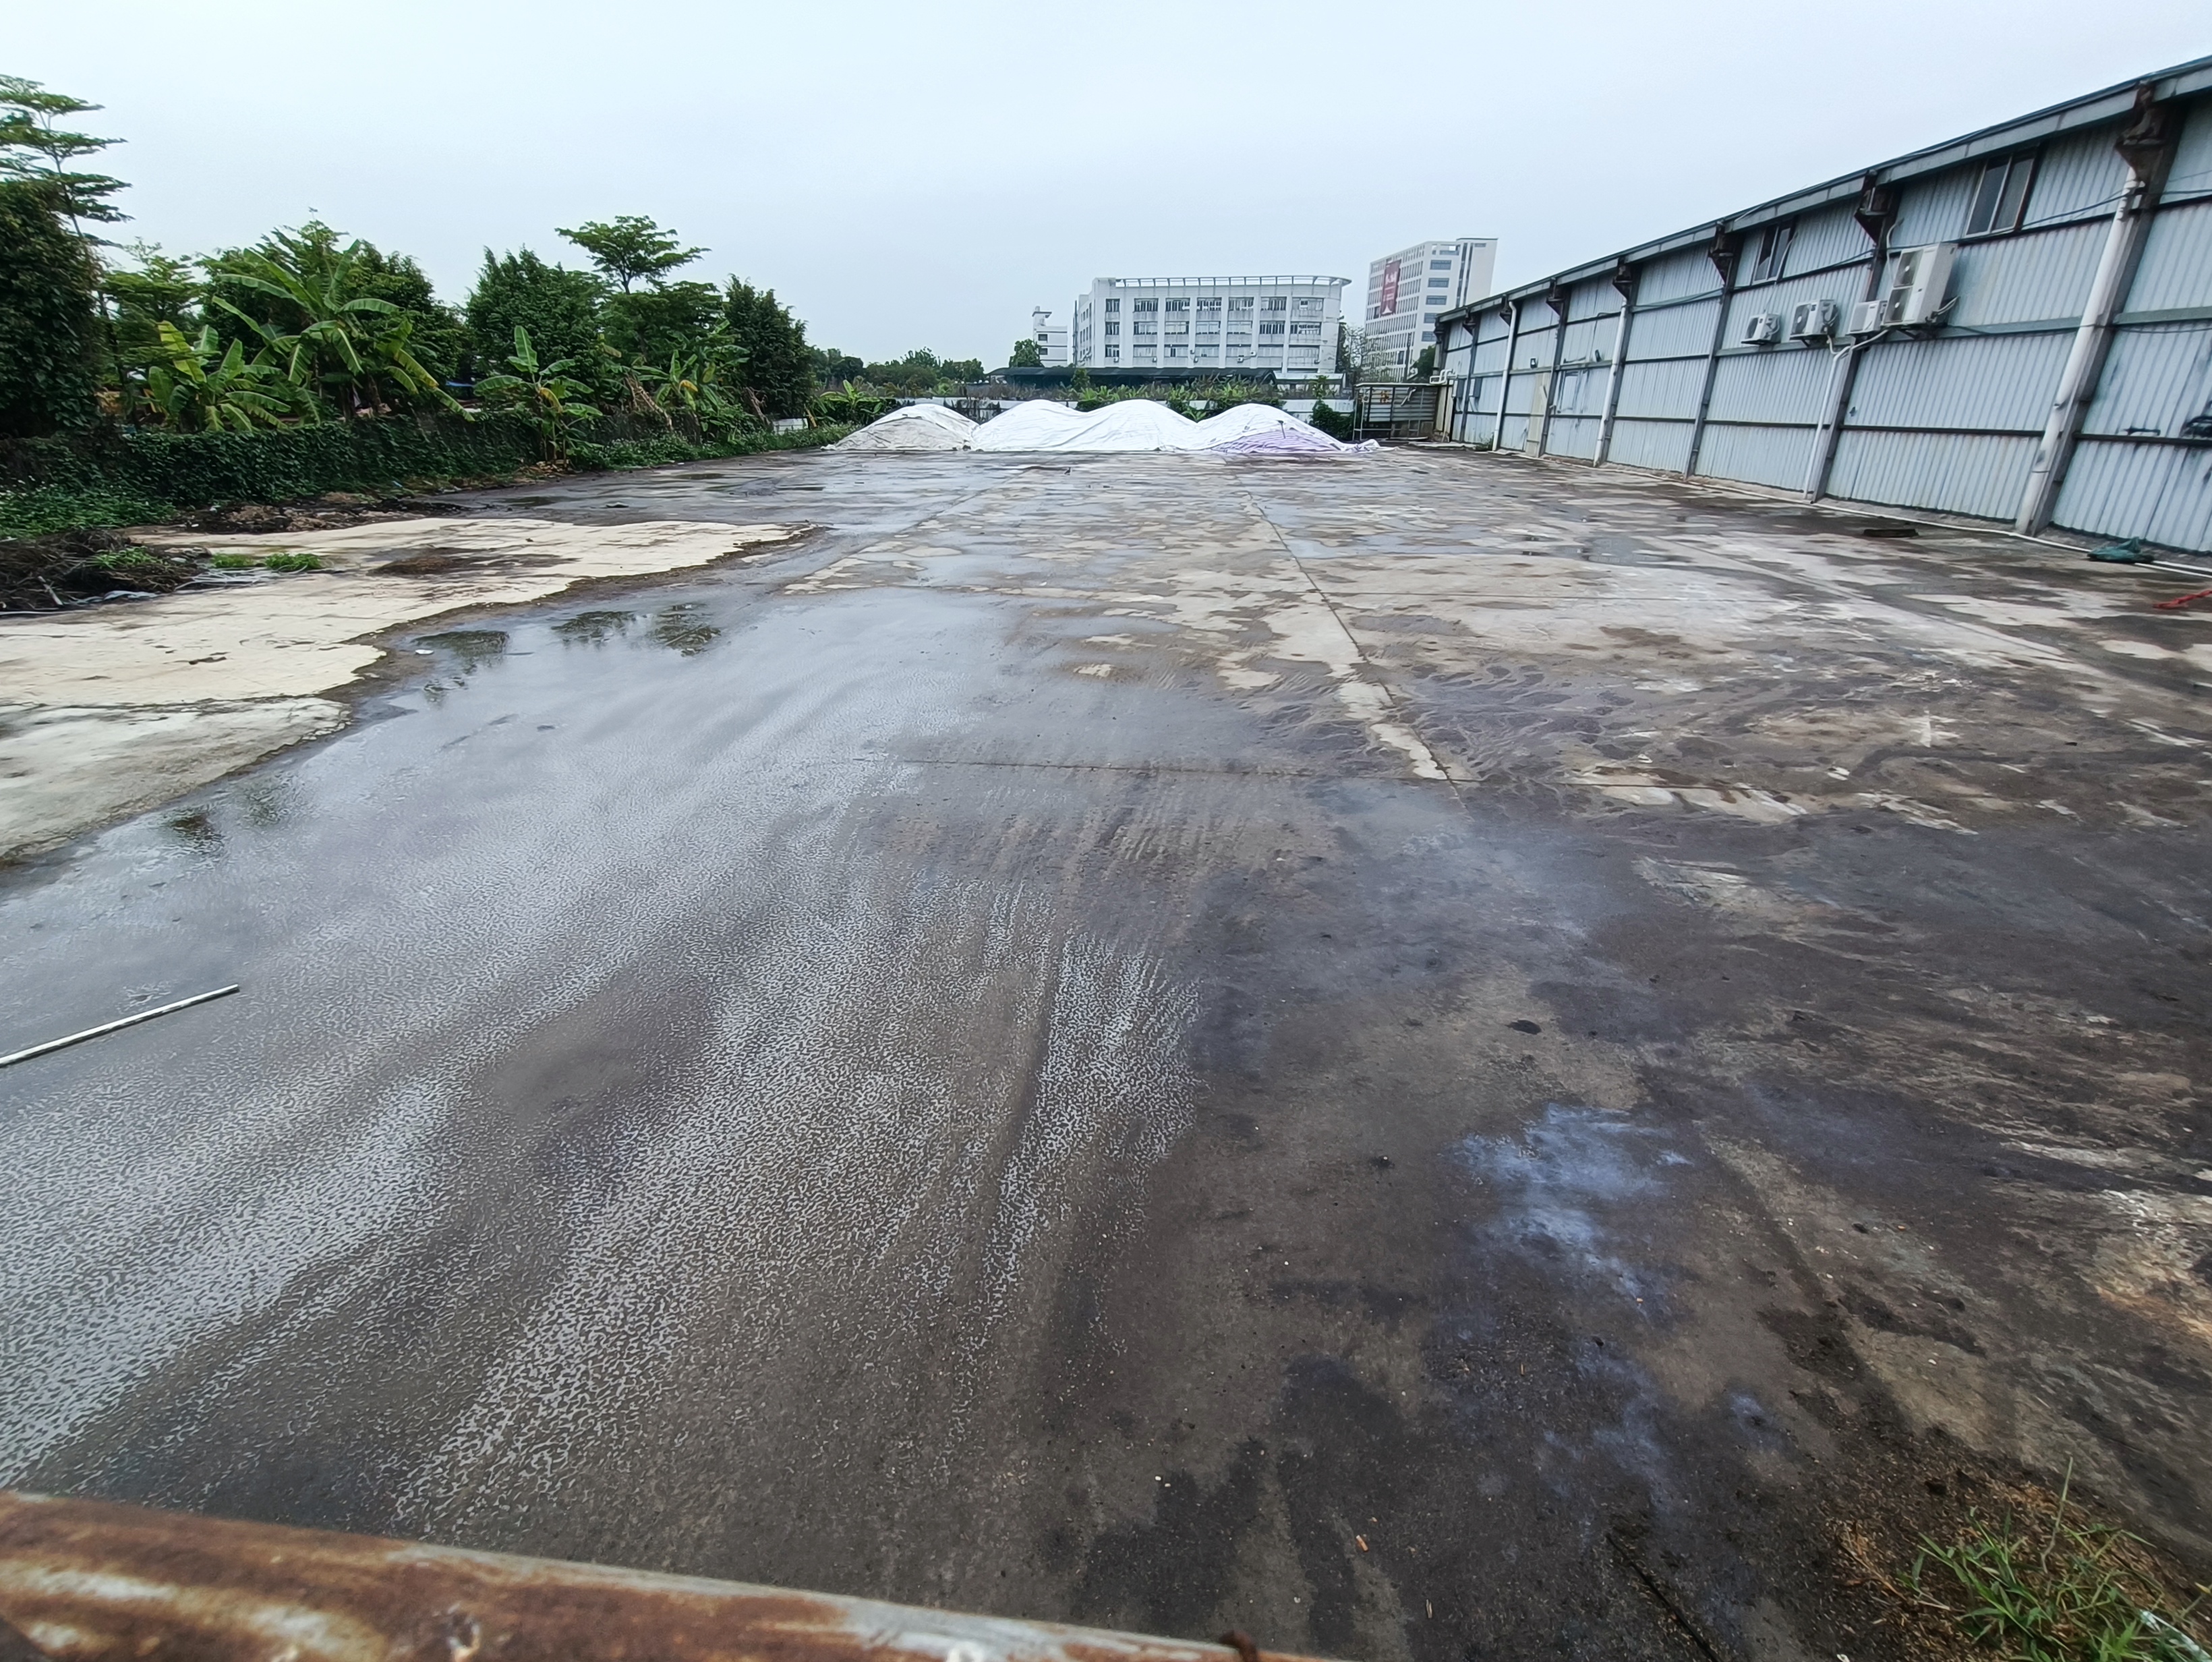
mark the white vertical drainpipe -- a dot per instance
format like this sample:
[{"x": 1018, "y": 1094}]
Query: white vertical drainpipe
[
  {"x": 1557, "y": 300},
  {"x": 1723, "y": 255},
  {"x": 1876, "y": 208},
  {"x": 1506, "y": 376},
  {"x": 1624, "y": 281},
  {"x": 2147, "y": 147}
]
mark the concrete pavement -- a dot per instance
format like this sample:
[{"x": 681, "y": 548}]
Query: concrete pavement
[{"x": 1428, "y": 1057}]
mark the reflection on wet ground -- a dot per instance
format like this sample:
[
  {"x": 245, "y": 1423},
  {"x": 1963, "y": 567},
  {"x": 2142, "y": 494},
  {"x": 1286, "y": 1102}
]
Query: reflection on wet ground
[
  {"x": 593, "y": 628},
  {"x": 1391, "y": 1056},
  {"x": 684, "y": 628},
  {"x": 470, "y": 649}
]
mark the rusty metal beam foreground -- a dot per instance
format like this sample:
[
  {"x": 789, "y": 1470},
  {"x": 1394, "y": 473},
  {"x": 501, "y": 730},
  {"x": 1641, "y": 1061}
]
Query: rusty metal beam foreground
[{"x": 84, "y": 1579}]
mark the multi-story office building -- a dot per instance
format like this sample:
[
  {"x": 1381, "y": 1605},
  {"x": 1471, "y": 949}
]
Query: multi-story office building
[
  {"x": 1178, "y": 324},
  {"x": 1407, "y": 290},
  {"x": 1051, "y": 338}
]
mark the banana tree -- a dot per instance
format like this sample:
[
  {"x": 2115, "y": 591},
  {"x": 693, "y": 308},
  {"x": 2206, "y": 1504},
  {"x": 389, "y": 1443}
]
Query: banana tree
[
  {"x": 197, "y": 384},
  {"x": 545, "y": 395},
  {"x": 352, "y": 348},
  {"x": 694, "y": 383}
]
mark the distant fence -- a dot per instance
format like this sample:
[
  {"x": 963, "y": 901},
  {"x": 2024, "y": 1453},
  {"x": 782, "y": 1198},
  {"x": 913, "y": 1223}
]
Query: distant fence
[{"x": 1398, "y": 410}]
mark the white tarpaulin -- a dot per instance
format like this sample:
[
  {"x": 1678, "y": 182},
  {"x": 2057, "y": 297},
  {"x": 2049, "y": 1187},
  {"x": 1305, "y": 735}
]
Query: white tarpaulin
[
  {"x": 1035, "y": 424},
  {"x": 1130, "y": 425},
  {"x": 914, "y": 427}
]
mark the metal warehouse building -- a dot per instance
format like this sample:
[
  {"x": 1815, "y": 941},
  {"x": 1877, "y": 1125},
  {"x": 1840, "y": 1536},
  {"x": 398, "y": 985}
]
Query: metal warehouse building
[{"x": 2016, "y": 325}]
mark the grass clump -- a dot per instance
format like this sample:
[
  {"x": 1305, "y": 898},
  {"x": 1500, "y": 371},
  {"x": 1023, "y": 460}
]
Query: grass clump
[
  {"x": 289, "y": 560},
  {"x": 2071, "y": 1591}
]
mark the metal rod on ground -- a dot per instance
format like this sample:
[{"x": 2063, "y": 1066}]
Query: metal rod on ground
[{"x": 114, "y": 1026}]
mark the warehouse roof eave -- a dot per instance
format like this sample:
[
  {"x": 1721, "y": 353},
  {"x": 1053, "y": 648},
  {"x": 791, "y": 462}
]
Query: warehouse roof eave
[{"x": 2087, "y": 110}]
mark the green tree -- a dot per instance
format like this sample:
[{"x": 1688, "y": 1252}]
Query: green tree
[
  {"x": 546, "y": 395},
  {"x": 1426, "y": 365},
  {"x": 778, "y": 375},
  {"x": 630, "y": 247},
  {"x": 49, "y": 326},
  {"x": 163, "y": 288},
  {"x": 702, "y": 383},
  {"x": 834, "y": 369},
  {"x": 342, "y": 270},
  {"x": 307, "y": 301},
  {"x": 560, "y": 309},
  {"x": 33, "y": 147},
  {"x": 197, "y": 385},
  {"x": 1028, "y": 354},
  {"x": 922, "y": 371},
  {"x": 648, "y": 324}
]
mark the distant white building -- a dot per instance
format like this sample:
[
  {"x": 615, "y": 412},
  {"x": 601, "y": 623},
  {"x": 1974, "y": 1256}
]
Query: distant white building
[
  {"x": 1051, "y": 338},
  {"x": 1407, "y": 289},
  {"x": 1285, "y": 324}
]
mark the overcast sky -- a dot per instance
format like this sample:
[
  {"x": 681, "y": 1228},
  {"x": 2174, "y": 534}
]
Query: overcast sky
[{"x": 913, "y": 174}]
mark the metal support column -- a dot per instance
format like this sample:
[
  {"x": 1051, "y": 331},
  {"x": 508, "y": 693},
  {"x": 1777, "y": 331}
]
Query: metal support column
[
  {"x": 2147, "y": 146},
  {"x": 1723, "y": 253},
  {"x": 1877, "y": 209},
  {"x": 1624, "y": 282},
  {"x": 1557, "y": 300},
  {"x": 1505, "y": 375}
]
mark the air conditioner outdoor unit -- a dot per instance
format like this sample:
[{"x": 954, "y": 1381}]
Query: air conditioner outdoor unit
[
  {"x": 1866, "y": 318},
  {"x": 1813, "y": 319},
  {"x": 1915, "y": 283},
  {"x": 1761, "y": 329}
]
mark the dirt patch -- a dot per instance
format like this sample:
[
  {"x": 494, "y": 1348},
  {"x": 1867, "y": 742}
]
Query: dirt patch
[{"x": 75, "y": 568}]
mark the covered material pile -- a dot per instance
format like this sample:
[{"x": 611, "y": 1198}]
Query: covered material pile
[
  {"x": 914, "y": 427},
  {"x": 1133, "y": 424}
]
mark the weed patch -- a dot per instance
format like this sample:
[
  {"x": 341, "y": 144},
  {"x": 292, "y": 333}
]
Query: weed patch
[{"x": 2043, "y": 1582}]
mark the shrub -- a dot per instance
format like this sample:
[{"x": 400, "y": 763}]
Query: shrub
[
  {"x": 853, "y": 408},
  {"x": 112, "y": 476},
  {"x": 1337, "y": 423}
]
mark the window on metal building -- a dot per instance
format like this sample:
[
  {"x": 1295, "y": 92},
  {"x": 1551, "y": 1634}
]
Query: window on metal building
[
  {"x": 1773, "y": 251},
  {"x": 2000, "y": 196}
]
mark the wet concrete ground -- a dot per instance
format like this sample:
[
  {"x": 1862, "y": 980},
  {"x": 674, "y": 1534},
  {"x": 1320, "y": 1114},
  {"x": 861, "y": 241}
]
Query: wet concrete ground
[{"x": 1430, "y": 1058}]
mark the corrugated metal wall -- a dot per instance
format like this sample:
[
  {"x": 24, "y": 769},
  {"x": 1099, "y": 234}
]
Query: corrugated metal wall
[{"x": 1949, "y": 418}]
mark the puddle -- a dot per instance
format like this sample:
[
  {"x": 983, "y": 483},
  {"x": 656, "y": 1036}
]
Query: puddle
[
  {"x": 593, "y": 628},
  {"x": 685, "y": 628},
  {"x": 471, "y": 649}
]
